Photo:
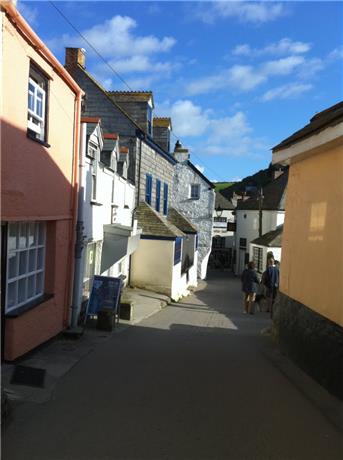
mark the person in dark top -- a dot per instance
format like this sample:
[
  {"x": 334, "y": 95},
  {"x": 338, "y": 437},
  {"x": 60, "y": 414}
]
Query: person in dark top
[
  {"x": 271, "y": 281},
  {"x": 249, "y": 287}
]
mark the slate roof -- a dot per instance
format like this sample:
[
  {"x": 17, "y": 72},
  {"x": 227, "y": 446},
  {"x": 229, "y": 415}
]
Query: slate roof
[
  {"x": 273, "y": 196},
  {"x": 271, "y": 239},
  {"x": 131, "y": 96},
  {"x": 163, "y": 122},
  {"x": 153, "y": 224},
  {"x": 109, "y": 144},
  {"x": 322, "y": 120},
  {"x": 180, "y": 221},
  {"x": 195, "y": 169},
  {"x": 222, "y": 202}
]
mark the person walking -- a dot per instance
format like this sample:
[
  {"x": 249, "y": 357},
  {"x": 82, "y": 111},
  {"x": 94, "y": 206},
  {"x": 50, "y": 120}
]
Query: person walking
[
  {"x": 249, "y": 287},
  {"x": 271, "y": 281}
]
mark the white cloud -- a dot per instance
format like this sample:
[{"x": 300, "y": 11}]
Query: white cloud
[
  {"x": 29, "y": 13},
  {"x": 200, "y": 168},
  {"x": 253, "y": 12},
  {"x": 283, "y": 46},
  {"x": 288, "y": 91},
  {"x": 335, "y": 54},
  {"x": 244, "y": 77},
  {"x": 116, "y": 37},
  {"x": 219, "y": 136},
  {"x": 188, "y": 119}
]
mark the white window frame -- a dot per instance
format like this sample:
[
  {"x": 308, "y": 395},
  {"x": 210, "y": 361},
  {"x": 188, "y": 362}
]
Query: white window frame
[
  {"x": 26, "y": 274},
  {"x": 194, "y": 196},
  {"x": 35, "y": 121}
]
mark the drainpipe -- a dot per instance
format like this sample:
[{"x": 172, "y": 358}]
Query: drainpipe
[
  {"x": 79, "y": 243},
  {"x": 260, "y": 215},
  {"x": 74, "y": 210}
]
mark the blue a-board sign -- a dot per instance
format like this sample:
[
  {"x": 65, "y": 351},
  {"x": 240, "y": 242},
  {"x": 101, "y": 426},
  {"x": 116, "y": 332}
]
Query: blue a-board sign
[{"x": 106, "y": 291}]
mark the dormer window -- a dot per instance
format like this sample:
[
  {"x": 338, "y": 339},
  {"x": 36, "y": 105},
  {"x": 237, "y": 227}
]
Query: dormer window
[
  {"x": 37, "y": 103},
  {"x": 149, "y": 120}
]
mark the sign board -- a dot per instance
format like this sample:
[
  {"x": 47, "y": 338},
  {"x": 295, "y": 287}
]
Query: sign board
[{"x": 105, "y": 293}]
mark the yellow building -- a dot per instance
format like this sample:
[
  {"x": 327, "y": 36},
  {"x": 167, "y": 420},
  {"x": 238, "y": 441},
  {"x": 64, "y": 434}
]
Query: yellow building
[{"x": 309, "y": 310}]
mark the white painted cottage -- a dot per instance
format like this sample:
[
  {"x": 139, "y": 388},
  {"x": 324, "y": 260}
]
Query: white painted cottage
[
  {"x": 258, "y": 215},
  {"x": 223, "y": 233},
  {"x": 194, "y": 197},
  {"x": 106, "y": 232},
  {"x": 270, "y": 242}
]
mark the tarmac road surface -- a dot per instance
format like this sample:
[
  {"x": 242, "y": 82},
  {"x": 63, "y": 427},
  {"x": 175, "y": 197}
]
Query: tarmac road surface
[{"x": 195, "y": 381}]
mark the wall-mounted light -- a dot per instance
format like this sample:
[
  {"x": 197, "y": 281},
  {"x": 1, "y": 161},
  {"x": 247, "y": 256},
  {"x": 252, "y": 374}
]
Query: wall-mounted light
[{"x": 219, "y": 211}]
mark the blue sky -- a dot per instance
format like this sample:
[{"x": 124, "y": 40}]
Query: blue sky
[{"x": 236, "y": 77}]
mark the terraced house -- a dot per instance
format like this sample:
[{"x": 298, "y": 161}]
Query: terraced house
[{"x": 151, "y": 170}]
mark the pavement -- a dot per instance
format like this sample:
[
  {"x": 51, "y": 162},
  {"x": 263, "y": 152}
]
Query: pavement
[{"x": 196, "y": 380}]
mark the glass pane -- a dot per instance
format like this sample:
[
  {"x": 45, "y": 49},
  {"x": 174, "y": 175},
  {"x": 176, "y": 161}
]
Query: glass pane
[
  {"x": 12, "y": 294},
  {"x": 31, "y": 286},
  {"x": 39, "y": 284},
  {"x": 22, "y": 290},
  {"x": 22, "y": 262},
  {"x": 31, "y": 100},
  {"x": 12, "y": 236},
  {"x": 41, "y": 233},
  {"x": 23, "y": 236},
  {"x": 32, "y": 260},
  {"x": 39, "y": 103},
  {"x": 12, "y": 265},
  {"x": 32, "y": 235},
  {"x": 40, "y": 258}
]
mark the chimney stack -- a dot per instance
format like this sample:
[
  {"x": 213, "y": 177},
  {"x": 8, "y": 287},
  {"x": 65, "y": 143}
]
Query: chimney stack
[
  {"x": 161, "y": 132},
  {"x": 75, "y": 56},
  {"x": 180, "y": 153}
]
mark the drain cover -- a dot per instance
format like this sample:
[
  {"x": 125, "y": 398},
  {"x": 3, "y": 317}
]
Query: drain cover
[{"x": 29, "y": 376}]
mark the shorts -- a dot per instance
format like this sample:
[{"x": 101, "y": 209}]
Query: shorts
[{"x": 249, "y": 296}]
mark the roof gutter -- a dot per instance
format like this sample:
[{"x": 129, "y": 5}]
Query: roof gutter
[{"x": 39, "y": 45}]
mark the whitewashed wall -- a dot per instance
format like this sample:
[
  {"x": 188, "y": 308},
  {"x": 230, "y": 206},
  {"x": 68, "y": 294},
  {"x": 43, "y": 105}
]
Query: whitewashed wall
[
  {"x": 199, "y": 212},
  {"x": 276, "y": 251},
  {"x": 247, "y": 227}
]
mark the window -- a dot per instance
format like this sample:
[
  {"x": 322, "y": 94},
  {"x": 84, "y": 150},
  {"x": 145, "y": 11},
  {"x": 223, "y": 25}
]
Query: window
[
  {"x": 94, "y": 168},
  {"x": 25, "y": 263},
  {"x": 258, "y": 258},
  {"x": 195, "y": 191},
  {"x": 177, "y": 250},
  {"x": 242, "y": 242},
  {"x": 158, "y": 195},
  {"x": 37, "y": 103},
  {"x": 148, "y": 188},
  {"x": 149, "y": 120},
  {"x": 91, "y": 151},
  {"x": 196, "y": 242},
  {"x": 165, "y": 199}
]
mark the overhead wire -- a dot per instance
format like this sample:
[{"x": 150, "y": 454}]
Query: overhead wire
[{"x": 118, "y": 75}]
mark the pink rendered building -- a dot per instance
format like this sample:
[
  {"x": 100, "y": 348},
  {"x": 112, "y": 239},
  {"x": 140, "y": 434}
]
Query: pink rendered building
[{"x": 39, "y": 165}]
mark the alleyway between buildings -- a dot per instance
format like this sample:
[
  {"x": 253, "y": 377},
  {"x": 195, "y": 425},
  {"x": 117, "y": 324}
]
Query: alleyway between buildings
[{"x": 195, "y": 381}]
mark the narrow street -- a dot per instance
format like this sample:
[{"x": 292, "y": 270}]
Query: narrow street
[{"x": 192, "y": 382}]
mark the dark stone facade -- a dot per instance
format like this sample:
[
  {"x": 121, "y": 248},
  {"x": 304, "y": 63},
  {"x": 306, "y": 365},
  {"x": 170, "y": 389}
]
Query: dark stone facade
[{"x": 314, "y": 342}]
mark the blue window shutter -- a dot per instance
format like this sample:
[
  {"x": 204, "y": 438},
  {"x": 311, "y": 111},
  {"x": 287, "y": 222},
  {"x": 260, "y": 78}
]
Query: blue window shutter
[
  {"x": 158, "y": 195},
  {"x": 165, "y": 199},
  {"x": 148, "y": 188},
  {"x": 178, "y": 250}
]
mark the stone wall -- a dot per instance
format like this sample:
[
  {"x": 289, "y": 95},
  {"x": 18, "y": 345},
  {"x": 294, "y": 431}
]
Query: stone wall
[
  {"x": 199, "y": 211},
  {"x": 314, "y": 342},
  {"x": 160, "y": 168}
]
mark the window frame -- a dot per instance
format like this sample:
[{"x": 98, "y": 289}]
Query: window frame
[
  {"x": 27, "y": 274},
  {"x": 165, "y": 198},
  {"x": 258, "y": 259},
  {"x": 158, "y": 195},
  {"x": 148, "y": 188},
  {"x": 194, "y": 196},
  {"x": 178, "y": 250},
  {"x": 37, "y": 123}
]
